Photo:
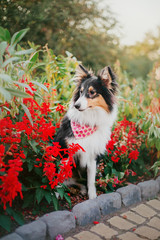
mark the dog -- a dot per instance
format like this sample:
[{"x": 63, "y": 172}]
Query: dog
[{"x": 88, "y": 122}]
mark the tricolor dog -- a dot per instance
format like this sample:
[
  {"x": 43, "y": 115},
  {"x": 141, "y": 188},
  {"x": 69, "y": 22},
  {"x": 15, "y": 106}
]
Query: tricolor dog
[{"x": 89, "y": 120}]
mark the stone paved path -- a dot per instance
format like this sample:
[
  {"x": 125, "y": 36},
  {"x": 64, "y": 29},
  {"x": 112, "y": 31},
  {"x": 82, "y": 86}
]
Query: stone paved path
[{"x": 137, "y": 222}]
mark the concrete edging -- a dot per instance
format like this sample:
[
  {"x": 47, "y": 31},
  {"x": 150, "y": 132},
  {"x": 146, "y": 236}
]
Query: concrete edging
[{"x": 50, "y": 225}]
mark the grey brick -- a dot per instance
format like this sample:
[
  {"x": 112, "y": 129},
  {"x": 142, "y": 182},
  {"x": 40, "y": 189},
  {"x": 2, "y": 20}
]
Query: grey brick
[
  {"x": 158, "y": 180},
  {"x": 130, "y": 194},
  {"x": 109, "y": 203},
  {"x": 32, "y": 231},
  {"x": 59, "y": 222},
  {"x": 149, "y": 189},
  {"x": 12, "y": 236},
  {"x": 86, "y": 212}
]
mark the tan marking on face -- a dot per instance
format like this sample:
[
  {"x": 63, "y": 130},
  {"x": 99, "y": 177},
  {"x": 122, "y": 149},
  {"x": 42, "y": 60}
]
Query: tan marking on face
[
  {"x": 91, "y": 88},
  {"x": 91, "y": 91},
  {"x": 82, "y": 88},
  {"x": 98, "y": 102}
]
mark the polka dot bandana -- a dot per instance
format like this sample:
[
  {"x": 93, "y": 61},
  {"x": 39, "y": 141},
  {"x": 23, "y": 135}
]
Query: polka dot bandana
[{"x": 82, "y": 131}]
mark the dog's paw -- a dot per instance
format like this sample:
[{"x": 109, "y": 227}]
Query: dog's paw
[{"x": 92, "y": 194}]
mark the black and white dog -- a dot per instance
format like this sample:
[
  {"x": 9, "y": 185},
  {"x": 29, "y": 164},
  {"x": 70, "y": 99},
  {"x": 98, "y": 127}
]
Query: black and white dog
[{"x": 89, "y": 120}]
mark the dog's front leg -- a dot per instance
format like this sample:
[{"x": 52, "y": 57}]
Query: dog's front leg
[{"x": 91, "y": 175}]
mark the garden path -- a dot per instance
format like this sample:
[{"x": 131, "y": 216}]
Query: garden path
[{"x": 141, "y": 221}]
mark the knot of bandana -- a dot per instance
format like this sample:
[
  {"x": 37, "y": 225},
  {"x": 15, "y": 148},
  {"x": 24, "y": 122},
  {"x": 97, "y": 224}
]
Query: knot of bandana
[{"x": 82, "y": 131}]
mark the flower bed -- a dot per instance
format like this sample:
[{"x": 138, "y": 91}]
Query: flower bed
[{"x": 35, "y": 89}]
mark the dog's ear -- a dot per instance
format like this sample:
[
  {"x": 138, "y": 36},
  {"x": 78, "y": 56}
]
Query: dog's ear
[
  {"x": 82, "y": 73},
  {"x": 106, "y": 76}
]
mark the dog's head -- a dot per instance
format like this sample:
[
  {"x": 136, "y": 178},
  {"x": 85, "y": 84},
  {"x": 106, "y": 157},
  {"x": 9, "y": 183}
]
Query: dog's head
[{"x": 95, "y": 91}]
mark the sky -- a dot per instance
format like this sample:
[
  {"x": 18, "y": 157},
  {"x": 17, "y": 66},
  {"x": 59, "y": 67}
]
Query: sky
[{"x": 136, "y": 17}]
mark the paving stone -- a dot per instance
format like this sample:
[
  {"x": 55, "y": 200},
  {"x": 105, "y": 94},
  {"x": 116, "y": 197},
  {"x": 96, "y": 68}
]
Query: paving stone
[
  {"x": 148, "y": 232},
  {"x": 12, "y": 236},
  {"x": 133, "y": 217},
  {"x": 144, "y": 211},
  {"x": 86, "y": 212},
  {"x": 109, "y": 203},
  {"x": 33, "y": 231},
  {"x": 154, "y": 203},
  {"x": 104, "y": 230},
  {"x": 69, "y": 238},
  {"x": 154, "y": 222},
  {"x": 129, "y": 236},
  {"x": 149, "y": 189},
  {"x": 120, "y": 223},
  {"x": 130, "y": 194},
  {"x": 59, "y": 222},
  {"x": 85, "y": 235}
]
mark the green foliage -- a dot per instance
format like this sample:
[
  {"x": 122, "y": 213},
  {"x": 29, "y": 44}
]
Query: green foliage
[
  {"x": 140, "y": 102},
  {"x": 40, "y": 72},
  {"x": 39, "y": 66},
  {"x": 38, "y": 75},
  {"x": 80, "y": 27}
]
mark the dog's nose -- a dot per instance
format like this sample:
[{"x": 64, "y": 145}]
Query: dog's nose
[{"x": 77, "y": 105}]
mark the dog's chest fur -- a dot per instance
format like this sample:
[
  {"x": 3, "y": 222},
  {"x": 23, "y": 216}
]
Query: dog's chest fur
[{"x": 95, "y": 144}]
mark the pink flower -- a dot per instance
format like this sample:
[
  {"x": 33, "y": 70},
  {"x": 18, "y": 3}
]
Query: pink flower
[{"x": 59, "y": 237}]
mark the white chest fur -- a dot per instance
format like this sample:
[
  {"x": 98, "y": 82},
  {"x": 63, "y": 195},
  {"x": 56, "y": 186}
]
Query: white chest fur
[{"x": 94, "y": 144}]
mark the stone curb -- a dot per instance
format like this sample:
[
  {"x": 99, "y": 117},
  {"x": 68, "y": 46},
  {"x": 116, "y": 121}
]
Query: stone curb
[{"x": 50, "y": 225}]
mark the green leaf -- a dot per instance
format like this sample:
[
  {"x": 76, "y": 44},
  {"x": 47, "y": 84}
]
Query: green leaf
[
  {"x": 33, "y": 144},
  {"x": 3, "y": 46},
  {"x": 120, "y": 175},
  {"x": 30, "y": 166},
  {"x": 28, "y": 199},
  {"x": 48, "y": 196},
  {"x": 39, "y": 172},
  {"x": 110, "y": 186},
  {"x": 18, "y": 217},
  {"x": 26, "y": 110},
  {"x": 7, "y": 36},
  {"x": 158, "y": 145},
  {"x": 6, "y": 78},
  {"x": 36, "y": 65},
  {"x": 60, "y": 190},
  {"x": 68, "y": 199},
  {"x": 39, "y": 194},
  {"x": 33, "y": 60},
  {"x": 18, "y": 93},
  {"x": 55, "y": 201},
  {"x": 23, "y": 52},
  {"x": 10, "y": 60},
  {"x": 5, "y": 222},
  {"x": 6, "y": 94},
  {"x": 18, "y": 36},
  {"x": 106, "y": 170},
  {"x": 2, "y": 34},
  {"x": 40, "y": 85}
]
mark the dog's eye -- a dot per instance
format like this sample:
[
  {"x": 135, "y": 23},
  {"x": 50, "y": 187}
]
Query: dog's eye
[{"x": 92, "y": 93}]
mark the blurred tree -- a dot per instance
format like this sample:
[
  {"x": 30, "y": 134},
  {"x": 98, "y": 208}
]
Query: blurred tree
[
  {"x": 78, "y": 26},
  {"x": 138, "y": 59}
]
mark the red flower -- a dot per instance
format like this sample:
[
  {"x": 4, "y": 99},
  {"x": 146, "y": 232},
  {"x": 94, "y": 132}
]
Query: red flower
[
  {"x": 110, "y": 145},
  {"x": 133, "y": 155},
  {"x": 95, "y": 222},
  {"x": 44, "y": 186},
  {"x": 115, "y": 159},
  {"x": 60, "y": 108}
]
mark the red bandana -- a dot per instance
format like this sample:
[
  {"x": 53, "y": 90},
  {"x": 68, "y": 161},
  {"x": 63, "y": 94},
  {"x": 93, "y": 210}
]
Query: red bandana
[{"x": 82, "y": 131}]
